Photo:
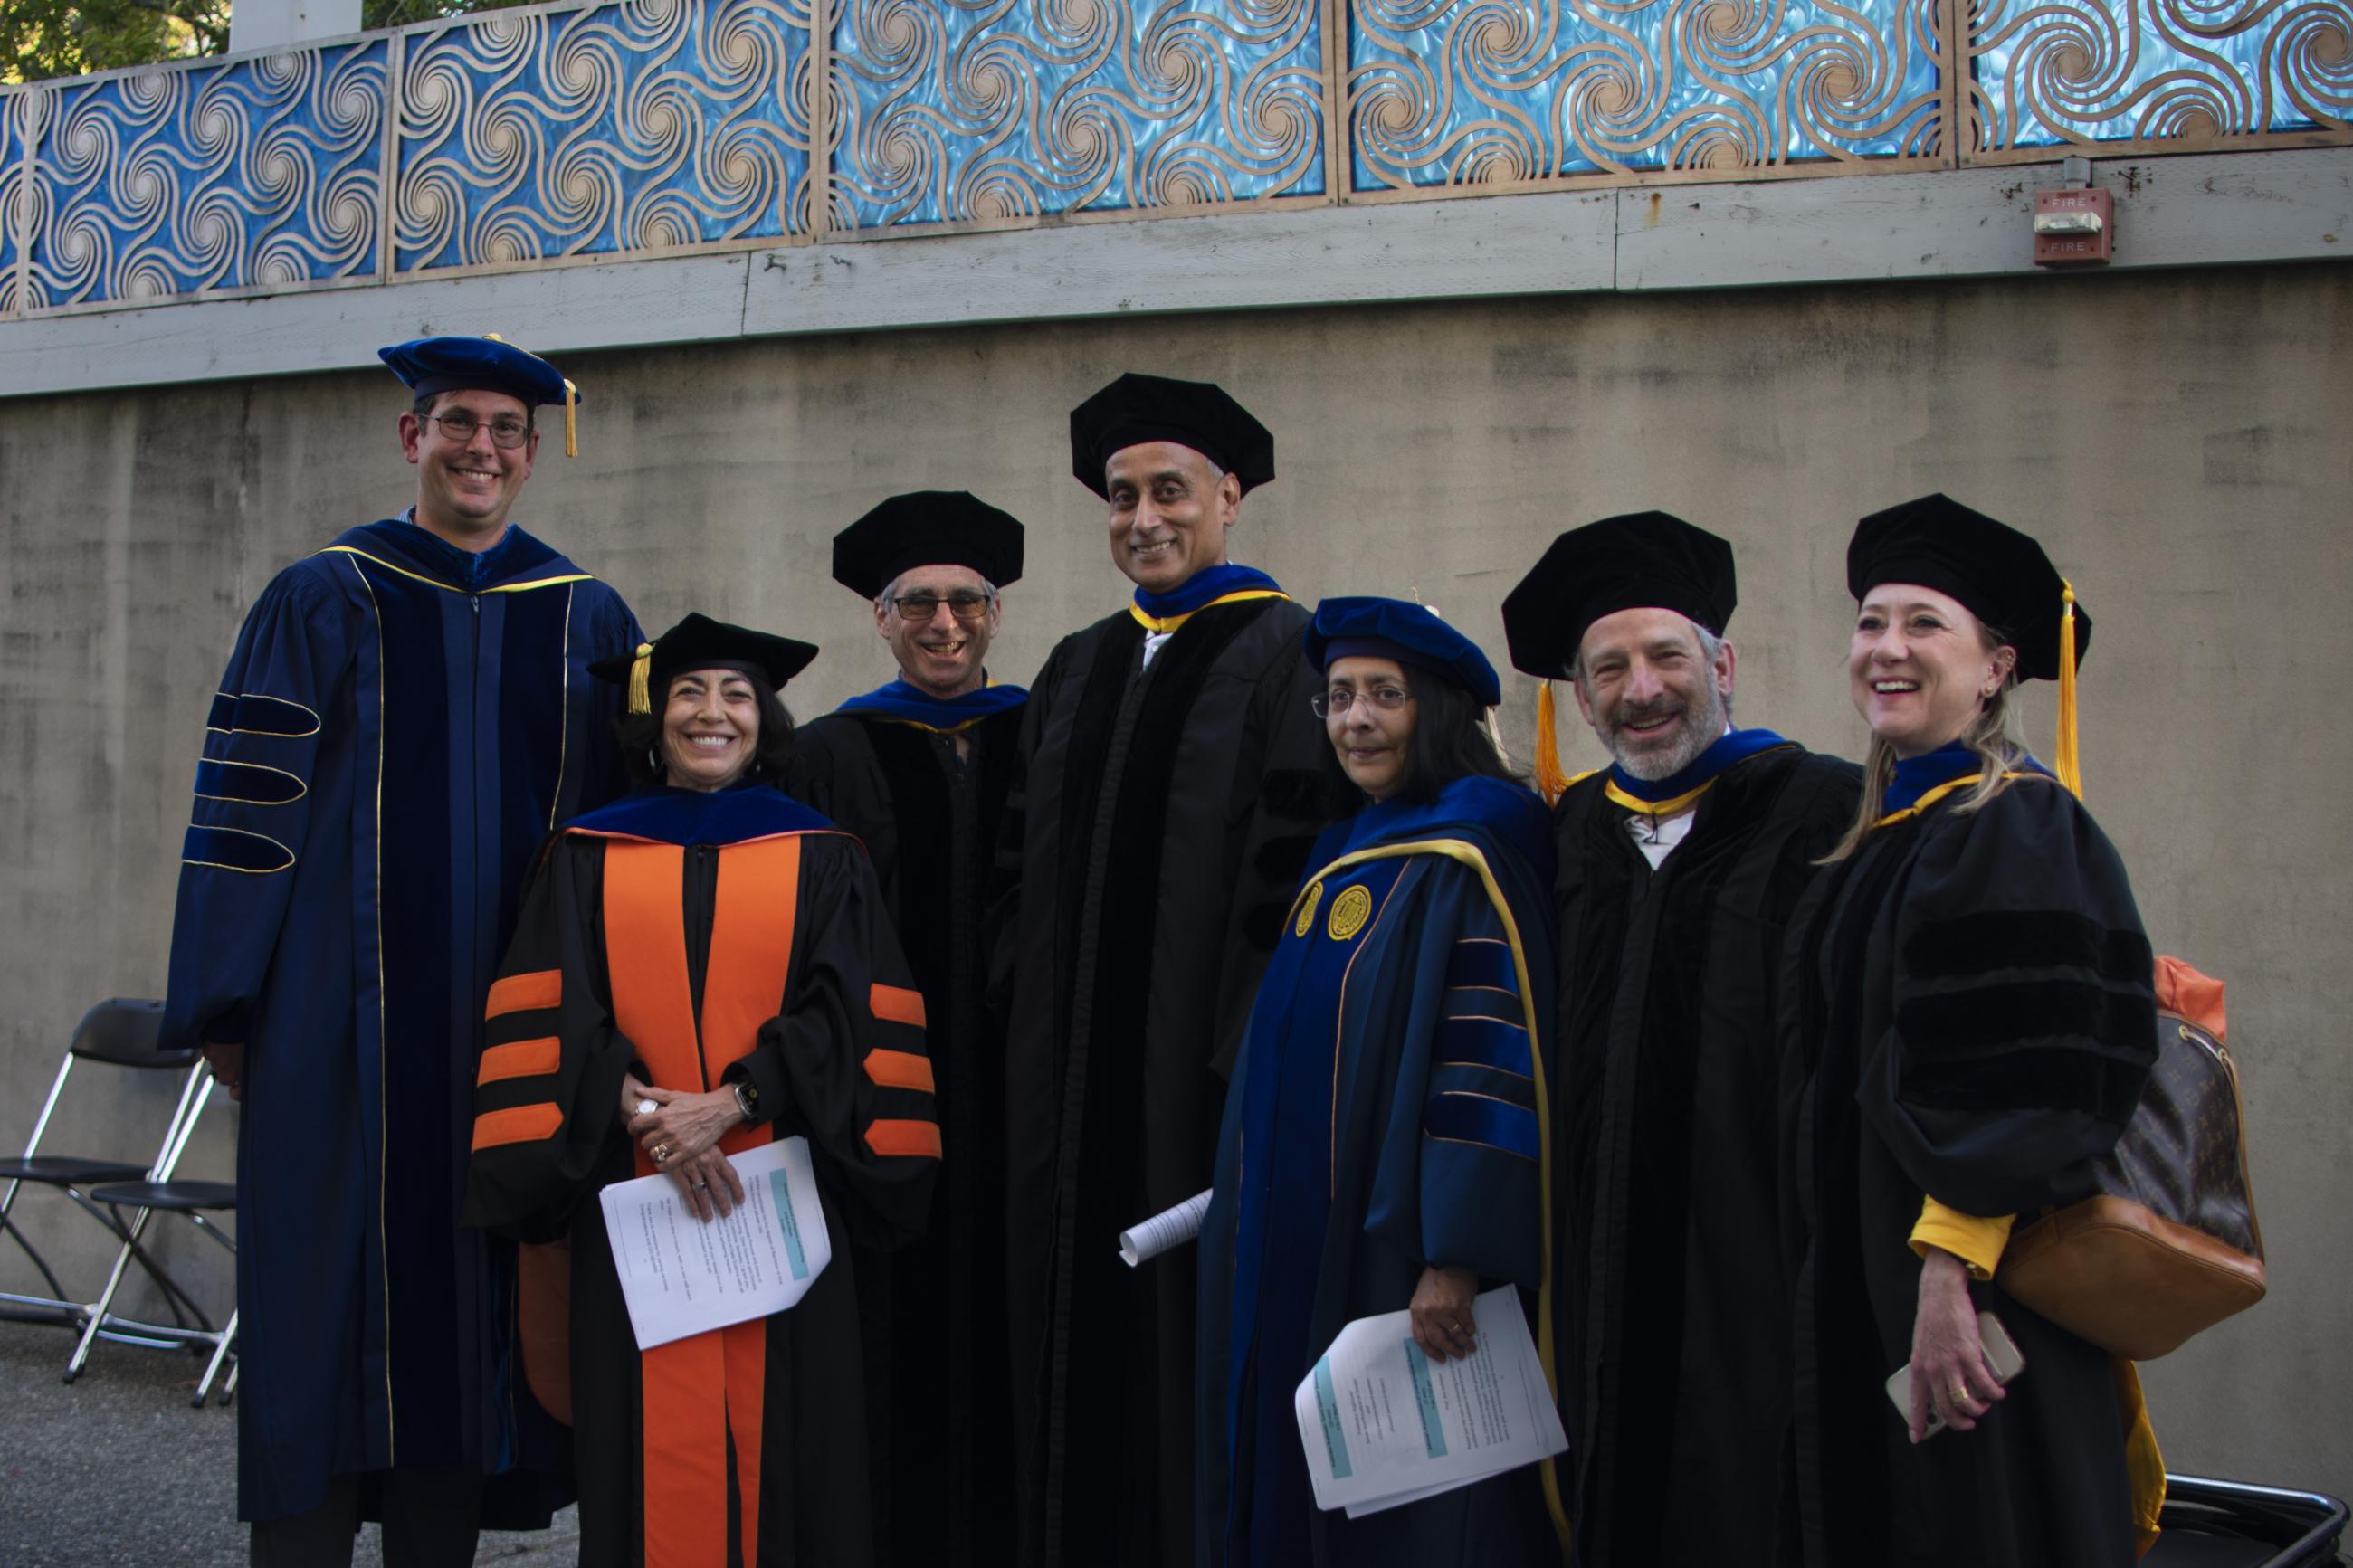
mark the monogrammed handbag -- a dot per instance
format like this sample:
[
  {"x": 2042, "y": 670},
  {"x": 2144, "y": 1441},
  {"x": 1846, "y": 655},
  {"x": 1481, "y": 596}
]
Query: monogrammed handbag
[{"x": 2167, "y": 1246}]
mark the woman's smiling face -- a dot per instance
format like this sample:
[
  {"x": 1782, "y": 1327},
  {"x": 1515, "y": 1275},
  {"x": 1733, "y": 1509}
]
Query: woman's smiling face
[
  {"x": 710, "y": 726},
  {"x": 1919, "y": 666}
]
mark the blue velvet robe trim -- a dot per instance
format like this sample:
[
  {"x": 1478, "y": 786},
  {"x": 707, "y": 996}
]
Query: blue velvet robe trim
[
  {"x": 400, "y": 726},
  {"x": 909, "y": 704},
  {"x": 1208, "y": 583},
  {"x": 1915, "y": 776},
  {"x": 664, "y": 815},
  {"x": 1732, "y": 747}
]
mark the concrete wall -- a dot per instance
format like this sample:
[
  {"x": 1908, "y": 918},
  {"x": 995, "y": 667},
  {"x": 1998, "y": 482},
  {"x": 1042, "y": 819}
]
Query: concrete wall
[{"x": 2178, "y": 439}]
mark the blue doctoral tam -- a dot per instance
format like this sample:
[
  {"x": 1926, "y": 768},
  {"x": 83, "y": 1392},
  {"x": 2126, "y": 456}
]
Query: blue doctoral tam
[
  {"x": 1407, "y": 633},
  {"x": 428, "y": 365}
]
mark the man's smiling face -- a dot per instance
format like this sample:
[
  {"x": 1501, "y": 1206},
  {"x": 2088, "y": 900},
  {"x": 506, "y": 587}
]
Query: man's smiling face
[
  {"x": 1170, "y": 508},
  {"x": 942, "y": 653},
  {"x": 465, "y": 487},
  {"x": 1653, "y": 690}
]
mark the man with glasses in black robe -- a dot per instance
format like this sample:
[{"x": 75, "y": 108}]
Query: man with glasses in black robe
[{"x": 918, "y": 770}]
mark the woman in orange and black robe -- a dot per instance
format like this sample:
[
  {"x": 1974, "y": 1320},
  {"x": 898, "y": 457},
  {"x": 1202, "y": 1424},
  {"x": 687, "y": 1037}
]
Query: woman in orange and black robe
[{"x": 690, "y": 940}]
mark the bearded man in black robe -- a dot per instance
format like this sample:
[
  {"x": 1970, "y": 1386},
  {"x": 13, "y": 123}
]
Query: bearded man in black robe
[
  {"x": 1679, "y": 867},
  {"x": 918, "y": 769},
  {"x": 1172, "y": 782}
]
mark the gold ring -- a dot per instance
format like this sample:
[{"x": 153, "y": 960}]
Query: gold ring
[
  {"x": 661, "y": 1153},
  {"x": 1960, "y": 1394}
]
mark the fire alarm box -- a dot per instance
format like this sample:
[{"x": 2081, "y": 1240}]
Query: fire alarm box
[{"x": 2074, "y": 228}]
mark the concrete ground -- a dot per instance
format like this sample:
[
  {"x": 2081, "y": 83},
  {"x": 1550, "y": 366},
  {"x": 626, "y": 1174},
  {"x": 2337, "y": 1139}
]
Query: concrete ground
[{"x": 118, "y": 1469}]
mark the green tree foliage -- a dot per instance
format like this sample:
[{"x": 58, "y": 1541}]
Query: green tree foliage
[
  {"x": 401, "y": 13},
  {"x": 42, "y": 38}
]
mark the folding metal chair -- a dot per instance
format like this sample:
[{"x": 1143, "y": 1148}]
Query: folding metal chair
[
  {"x": 117, "y": 1033},
  {"x": 159, "y": 1191}
]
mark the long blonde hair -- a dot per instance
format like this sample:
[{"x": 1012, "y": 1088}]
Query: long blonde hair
[{"x": 1993, "y": 735}]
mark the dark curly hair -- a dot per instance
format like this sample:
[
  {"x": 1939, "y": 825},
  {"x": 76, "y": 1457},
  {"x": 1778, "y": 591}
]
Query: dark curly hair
[{"x": 640, "y": 735}]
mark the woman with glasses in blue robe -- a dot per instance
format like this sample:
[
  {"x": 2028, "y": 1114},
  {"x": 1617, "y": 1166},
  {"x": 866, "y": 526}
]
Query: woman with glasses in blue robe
[{"x": 1384, "y": 1144}]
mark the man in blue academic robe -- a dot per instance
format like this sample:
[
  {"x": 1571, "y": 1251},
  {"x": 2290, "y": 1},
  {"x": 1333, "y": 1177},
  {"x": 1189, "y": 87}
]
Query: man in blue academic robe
[{"x": 407, "y": 713}]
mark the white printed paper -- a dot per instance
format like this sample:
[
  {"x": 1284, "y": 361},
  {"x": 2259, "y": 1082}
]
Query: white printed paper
[
  {"x": 682, "y": 1276},
  {"x": 1384, "y": 1425},
  {"x": 1169, "y": 1227}
]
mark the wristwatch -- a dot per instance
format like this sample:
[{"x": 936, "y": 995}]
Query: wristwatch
[{"x": 747, "y": 1098}]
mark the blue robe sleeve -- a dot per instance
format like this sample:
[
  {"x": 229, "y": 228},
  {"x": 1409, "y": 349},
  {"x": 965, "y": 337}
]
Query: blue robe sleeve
[
  {"x": 1459, "y": 1181},
  {"x": 264, "y": 736},
  {"x": 613, "y": 631}
]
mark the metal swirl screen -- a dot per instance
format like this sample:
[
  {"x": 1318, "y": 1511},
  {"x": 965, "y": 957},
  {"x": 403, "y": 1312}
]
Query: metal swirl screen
[
  {"x": 520, "y": 137},
  {"x": 643, "y": 126},
  {"x": 2046, "y": 72},
  {"x": 144, "y": 185},
  {"x": 1447, "y": 93},
  {"x": 961, "y": 111}
]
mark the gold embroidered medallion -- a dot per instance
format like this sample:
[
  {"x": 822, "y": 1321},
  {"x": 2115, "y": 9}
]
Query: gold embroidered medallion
[
  {"x": 1350, "y": 910},
  {"x": 1307, "y": 908}
]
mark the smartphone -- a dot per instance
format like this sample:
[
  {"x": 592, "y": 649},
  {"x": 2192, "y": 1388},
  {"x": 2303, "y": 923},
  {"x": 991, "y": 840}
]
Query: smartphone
[{"x": 2001, "y": 1356}]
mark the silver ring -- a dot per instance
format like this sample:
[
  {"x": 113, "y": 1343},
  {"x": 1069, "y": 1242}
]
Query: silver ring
[
  {"x": 701, "y": 1187},
  {"x": 648, "y": 1106}
]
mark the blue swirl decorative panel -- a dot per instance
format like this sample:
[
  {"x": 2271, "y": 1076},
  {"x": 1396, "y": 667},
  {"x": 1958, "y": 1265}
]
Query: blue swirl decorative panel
[
  {"x": 633, "y": 127},
  {"x": 2153, "y": 71},
  {"x": 957, "y": 111},
  {"x": 15, "y": 112},
  {"x": 1454, "y": 92},
  {"x": 256, "y": 173}
]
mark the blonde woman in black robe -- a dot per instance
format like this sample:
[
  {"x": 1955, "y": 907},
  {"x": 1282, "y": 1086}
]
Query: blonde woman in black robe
[{"x": 1970, "y": 1020}]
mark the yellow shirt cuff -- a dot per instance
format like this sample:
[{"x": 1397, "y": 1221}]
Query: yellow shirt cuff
[{"x": 1975, "y": 1242}]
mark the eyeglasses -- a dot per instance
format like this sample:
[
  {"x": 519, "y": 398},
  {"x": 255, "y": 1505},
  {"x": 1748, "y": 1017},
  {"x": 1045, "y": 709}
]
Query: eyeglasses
[
  {"x": 1339, "y": 700},
  {"x": 460, "y": 427},
  {"x": 965, "y": 604}
]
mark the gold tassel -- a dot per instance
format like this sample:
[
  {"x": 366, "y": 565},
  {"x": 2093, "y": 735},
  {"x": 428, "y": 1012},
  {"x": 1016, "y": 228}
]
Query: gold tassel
[
  {"x": 570, "y": 435},
  {"x": 642, "y": 675},
  {"x": 2069, "y": 763},
  {"x": 1550, "y": 779}
]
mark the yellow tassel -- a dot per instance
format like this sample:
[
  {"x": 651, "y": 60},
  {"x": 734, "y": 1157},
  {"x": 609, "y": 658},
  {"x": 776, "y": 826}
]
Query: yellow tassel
[
  {"x": 1550, "y": 779},
  {"x": 570, "y": 435},
  {"x": 642, "y": 675},
  {"x": 2068, "y": 764}
]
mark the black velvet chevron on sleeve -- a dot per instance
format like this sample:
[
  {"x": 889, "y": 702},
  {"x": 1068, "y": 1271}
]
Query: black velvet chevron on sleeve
[
  {"x": 2022, "y": 1014},
  {"x": 1988, "y": 940}
]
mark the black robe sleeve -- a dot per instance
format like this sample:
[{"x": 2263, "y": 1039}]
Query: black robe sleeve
[
  {"x": 1283, "y": 799},
  {"x": 1004, "y": 897},
  {"x": 2024, "y": 1016},
  {"x": 548, "y": 1086},
  {"x": 845, "y": 1062},
  {"x": 833, "y": 771}
]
